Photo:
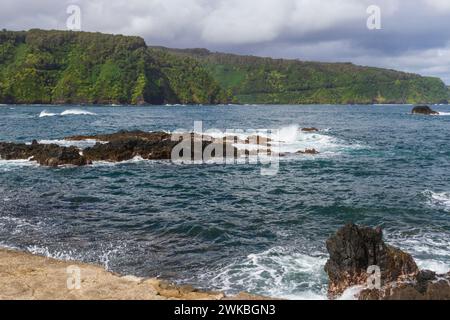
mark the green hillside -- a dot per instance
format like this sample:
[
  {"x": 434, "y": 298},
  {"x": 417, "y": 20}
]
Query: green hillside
[
  {"x": 78, "y": 67},
  {"x": 263, "y": 80}
]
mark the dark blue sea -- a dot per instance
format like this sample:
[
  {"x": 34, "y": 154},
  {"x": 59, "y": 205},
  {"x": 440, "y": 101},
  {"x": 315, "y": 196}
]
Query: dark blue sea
[{"x": 228, "y": 227}]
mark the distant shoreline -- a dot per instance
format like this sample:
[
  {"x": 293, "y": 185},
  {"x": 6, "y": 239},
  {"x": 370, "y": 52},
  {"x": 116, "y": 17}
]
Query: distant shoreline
[{"x": 221, "y": 105}]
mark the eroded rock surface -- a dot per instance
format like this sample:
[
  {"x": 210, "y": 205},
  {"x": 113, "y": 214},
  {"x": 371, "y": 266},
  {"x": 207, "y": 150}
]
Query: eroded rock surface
[{"x": 353, "y": 249}]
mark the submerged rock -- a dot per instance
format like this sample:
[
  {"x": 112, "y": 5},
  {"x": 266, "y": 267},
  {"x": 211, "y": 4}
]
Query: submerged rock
[
  {"x": 354, "y": 249},
  {"x": 424, "y": 110}
]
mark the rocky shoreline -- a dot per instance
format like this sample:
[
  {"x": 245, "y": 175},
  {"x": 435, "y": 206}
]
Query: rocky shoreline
[
  {"x": 353, "y": 250},
  {"x": 356, "y": 253},
  {"x": 24, "y": 276}
]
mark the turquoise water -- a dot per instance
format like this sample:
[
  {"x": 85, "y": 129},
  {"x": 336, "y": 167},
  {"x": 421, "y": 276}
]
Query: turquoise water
[{"x": 226, "y": 226}]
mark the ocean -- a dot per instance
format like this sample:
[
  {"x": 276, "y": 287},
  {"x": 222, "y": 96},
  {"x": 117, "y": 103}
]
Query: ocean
[{"x": 227, "y": 227}]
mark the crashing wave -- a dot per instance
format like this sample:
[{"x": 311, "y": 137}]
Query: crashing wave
[
  {"x": 271, "y": 272},
  {"x": 68, "y": 112}
]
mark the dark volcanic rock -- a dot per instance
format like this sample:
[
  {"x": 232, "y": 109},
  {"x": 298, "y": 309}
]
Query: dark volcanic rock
[
  {"x": 125, "y": 145},
  {"x": 45, "y": 154},
  {"x": 124, "y": 135},
  {"x": 430, "y": 287},
  {"x": 122, "y": 146},
  {"x": 353, "y": 249},
  {"x": 308, "y": 151},
  {"x": 424, "y": 110},
  {"x": 310, "y": 129}
]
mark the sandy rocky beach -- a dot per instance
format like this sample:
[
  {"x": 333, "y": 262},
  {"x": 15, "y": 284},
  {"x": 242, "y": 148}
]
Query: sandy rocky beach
[
  {"x": 353, "y": 249},
  {"x": 24, "y": 276}
]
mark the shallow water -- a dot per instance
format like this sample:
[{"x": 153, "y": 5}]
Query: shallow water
[{"x": 229, "y": 227}]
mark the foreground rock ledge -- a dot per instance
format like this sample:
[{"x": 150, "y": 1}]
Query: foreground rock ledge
[
  {"x": 353, "y": 249},
  {"x": 27, "y": 277}
]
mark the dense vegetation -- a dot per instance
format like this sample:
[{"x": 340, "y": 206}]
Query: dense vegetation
[
  {"x": 264, "y": 80},
  {"x": 78, "y": 67}
]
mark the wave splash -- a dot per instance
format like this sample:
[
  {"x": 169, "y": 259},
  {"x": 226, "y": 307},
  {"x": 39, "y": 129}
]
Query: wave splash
[
  {"x": 438, "y": 199},
  {"x": 290, "y": 139},
  {"x": 278, "y": 272},
  {"x": 69, "y": 112}
]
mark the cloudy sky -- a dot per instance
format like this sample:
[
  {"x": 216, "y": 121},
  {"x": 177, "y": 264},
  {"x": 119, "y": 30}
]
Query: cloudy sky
[{"x": 414, "y": 34}]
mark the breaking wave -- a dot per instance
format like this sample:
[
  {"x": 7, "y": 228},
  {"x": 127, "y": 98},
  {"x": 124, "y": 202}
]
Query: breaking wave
[
  {"x": 278, "y": 272},
  {"x": 438, "y": 199},
  {"x": 69, "y": 112},
  {"x": 289, "y": 140}
]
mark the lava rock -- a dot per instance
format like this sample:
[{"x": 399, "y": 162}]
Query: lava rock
[
  {"x": 125, "y": 145},
  {"x": 51, "y": 155},
  {"x": 308, "y": 151},
  {"x": 310, "y": 129},
  {"x": 353, "y": 249},
  {"x": 424, "y": 110}
]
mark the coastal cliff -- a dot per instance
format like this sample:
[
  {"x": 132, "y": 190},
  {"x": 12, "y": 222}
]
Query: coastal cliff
[{"x": 64, "y": 67}]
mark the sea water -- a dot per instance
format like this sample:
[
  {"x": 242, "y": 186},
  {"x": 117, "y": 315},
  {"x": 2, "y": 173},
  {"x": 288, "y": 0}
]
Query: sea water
[{"x": 228, "y": 227}]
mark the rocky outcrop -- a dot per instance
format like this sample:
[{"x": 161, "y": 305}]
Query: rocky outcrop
[
  {"x": 424, "y": 110},
  {"x": 45, "y": 154},
  {"x": 308, "y": 151},
  {"x": 310, "y": 129},
  {"x": 126, "y": 145},
  {"x": 354, "y": 249},
  {"x": 117, "y": 147}
]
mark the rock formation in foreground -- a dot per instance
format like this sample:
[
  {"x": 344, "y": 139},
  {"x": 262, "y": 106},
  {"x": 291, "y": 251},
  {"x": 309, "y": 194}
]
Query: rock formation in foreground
[
  {"x": 354, "y": 249},
  {"x": 424, "y": 110}
]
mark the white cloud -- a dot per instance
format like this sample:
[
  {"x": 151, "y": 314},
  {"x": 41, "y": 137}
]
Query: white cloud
[
  {"x": 442, "y": 6},
  {"x": 414, "y": 36},
  {"x": 245, "y": 21}
]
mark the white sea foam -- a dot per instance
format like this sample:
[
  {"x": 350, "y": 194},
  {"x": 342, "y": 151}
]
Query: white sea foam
[
  {"x": 289, "y": 140},
  {"x": 45, "y": 113},
  {"x": 8, "y": 165},
  {"x": 103, "y": 256},
  {"x": 67, "y": 143},
  {"x": 69, "y": 112},
  {"x": 444, "y": 113},
  {"x": 77, "y": 112},
  {"x": 278, "y": 273},
  {"x": 438, "y": 199},
  {"x": 136, "y": 159},
  {"x": 434, "y": 265},
  {"x": 429, "y": 249},
  {"x": 352, "y": 293}
]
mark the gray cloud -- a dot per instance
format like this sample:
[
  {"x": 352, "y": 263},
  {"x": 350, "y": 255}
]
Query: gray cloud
[{"x": 415, "y": 34}]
